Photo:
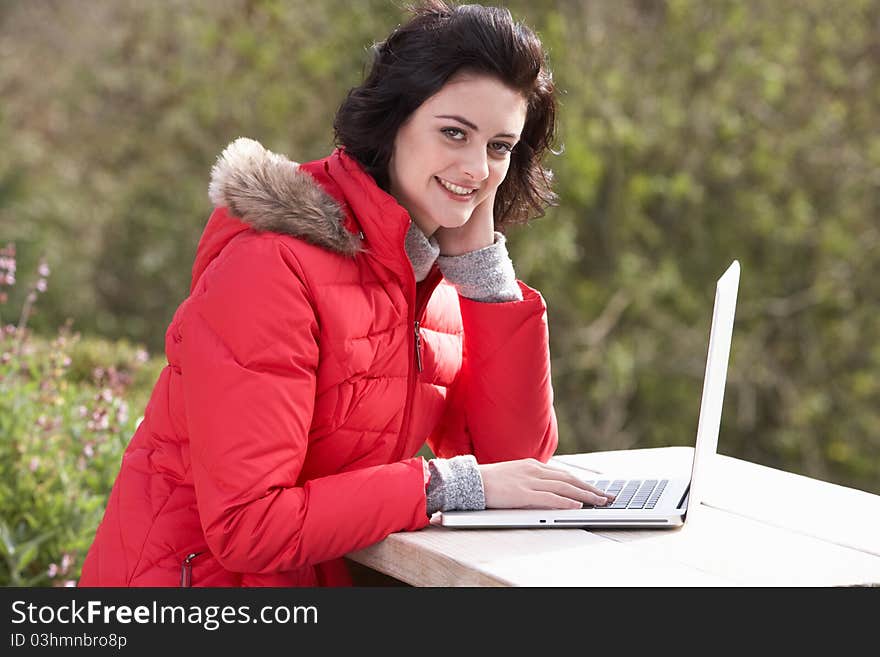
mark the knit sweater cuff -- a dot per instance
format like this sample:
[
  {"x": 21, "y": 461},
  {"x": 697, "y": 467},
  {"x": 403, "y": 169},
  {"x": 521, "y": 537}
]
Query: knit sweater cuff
[
  {"x": 483, "y": 275},
  {"x": 455, "y": 485}
]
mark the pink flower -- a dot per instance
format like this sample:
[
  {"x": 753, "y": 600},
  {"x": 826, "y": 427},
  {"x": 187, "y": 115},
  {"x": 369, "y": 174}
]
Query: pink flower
[
  {"x": 41, "y": 285},
  {"x": 89, "y": 450},
  {"x": 53, "y": 570},
  {"x": 66, "y": 562},
  {"x": 122, "y": 413},
  {"x": 43, "y": 270},
  {"x": 34, "y": 464}
]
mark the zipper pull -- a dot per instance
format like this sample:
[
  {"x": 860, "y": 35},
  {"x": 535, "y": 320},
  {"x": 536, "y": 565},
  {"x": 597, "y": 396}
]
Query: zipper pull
[
  {"x": 418, "y": 347},
  {"x": 186, "y": 570}
]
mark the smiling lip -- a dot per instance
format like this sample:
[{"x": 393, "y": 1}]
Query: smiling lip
[{"x": 453, "y": 195}]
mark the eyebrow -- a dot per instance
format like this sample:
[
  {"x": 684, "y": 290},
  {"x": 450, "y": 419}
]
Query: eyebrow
[{"x": 470, "y": 125}]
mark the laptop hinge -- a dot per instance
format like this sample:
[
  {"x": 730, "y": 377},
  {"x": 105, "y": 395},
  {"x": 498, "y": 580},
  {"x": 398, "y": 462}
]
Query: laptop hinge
[{"x": 683, "y": 501}]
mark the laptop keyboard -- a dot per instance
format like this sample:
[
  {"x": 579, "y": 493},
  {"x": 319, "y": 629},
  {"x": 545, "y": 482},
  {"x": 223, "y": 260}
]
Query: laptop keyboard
[{"x": 632, "y": 493}]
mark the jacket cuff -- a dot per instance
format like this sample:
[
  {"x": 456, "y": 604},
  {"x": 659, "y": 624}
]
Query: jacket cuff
[
  {"x": 483, "y": 275},
  {"x": 455, "y": 485}
]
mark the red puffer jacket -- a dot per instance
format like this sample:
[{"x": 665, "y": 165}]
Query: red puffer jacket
[{"x": 305, "y": 370}]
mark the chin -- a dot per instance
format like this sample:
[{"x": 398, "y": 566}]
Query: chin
[{"x": 453, "y": 222}]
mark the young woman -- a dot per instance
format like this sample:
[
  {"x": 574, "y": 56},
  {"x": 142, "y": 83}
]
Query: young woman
[{"x": 342, "y": 313}]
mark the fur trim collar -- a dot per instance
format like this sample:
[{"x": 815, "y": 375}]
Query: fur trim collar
[{"x": 269, "y": 192}]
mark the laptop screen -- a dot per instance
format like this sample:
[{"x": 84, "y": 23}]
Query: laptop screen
[{"x": 715, "y": 378}]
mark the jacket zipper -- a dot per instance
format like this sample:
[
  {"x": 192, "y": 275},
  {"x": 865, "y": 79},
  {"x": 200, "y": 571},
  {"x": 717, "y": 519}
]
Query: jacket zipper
[
  {"x": 186, "y": 570},
  {"x": 420, "y": 302},
  {"x": 418, "y": 347}
]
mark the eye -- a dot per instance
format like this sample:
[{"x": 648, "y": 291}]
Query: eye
[
  {"x": 501, "y": 147},
  {"x": 452, "y": 132}
]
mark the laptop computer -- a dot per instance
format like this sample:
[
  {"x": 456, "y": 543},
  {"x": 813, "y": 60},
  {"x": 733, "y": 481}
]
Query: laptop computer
[{"x": 656, "y": 501}]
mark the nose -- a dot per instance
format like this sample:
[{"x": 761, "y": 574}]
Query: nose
[{"x": 476, "y": 164}]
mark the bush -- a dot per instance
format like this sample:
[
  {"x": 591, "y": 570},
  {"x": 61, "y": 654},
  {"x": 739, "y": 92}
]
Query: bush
[{"x": 64, "y": 424}]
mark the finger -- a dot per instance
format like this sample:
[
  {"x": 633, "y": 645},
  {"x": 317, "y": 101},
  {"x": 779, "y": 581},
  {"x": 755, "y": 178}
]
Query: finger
[
  {"x": 552, "y": 473},
  {"x": 546, "y": 500},
  {"x": 574, "y": 480},
  {"x": 564, "y": 489}
]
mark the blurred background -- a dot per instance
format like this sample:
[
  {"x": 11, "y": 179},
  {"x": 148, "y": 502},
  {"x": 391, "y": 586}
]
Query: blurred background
[{"x": 692, "y": 133}]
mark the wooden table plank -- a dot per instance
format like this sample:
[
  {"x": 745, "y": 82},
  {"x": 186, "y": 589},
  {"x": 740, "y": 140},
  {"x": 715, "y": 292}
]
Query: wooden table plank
[
  {"x": 837, "y": 514},
  {"x": 752, "y": 553},
  {"x": 438, "y": 556},
  {"x": 736, "y": 538},
  {"x": 712, "y": 549}
]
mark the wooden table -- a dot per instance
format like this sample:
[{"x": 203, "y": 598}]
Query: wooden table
[{"x": 757, "y": 526}]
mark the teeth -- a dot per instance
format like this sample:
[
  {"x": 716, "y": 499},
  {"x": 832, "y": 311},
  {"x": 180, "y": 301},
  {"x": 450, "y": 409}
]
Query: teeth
[{"x": 455, "y": 189}]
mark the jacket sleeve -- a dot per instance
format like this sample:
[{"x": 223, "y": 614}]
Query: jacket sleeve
[
  {"x": 500, "y": 408},
  {"x": 249, "y": 355}
]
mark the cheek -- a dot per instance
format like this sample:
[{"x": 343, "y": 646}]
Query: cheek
[
  {"x": 418, "y": 165},
  {"x": 497, "y": 173}
]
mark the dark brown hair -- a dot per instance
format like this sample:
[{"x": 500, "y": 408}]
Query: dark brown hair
[{"x": 419, "y": 57}]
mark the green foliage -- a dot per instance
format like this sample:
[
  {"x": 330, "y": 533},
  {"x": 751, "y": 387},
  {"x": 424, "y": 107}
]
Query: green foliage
[
  {"x": 694, "y": 133},
  {"x": 62, "y": 435}
]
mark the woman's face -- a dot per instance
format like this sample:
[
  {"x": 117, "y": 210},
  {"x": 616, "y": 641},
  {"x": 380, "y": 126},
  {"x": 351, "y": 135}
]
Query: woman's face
[{"x": 453, "y": 152}]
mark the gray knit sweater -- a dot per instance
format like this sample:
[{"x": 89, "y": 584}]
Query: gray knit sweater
[{"x": 485, "y": 275}]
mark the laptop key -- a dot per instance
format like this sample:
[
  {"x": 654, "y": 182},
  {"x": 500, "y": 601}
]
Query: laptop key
[
  {"x": 655, "y": 496},
  {"x": 618, "y": 483},
  {"x": 644, "y": 492},
  {"x": 626, "y": 495}
]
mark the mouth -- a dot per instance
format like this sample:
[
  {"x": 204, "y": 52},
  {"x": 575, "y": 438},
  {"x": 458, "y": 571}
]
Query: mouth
[{"x": 457, "y": 192}]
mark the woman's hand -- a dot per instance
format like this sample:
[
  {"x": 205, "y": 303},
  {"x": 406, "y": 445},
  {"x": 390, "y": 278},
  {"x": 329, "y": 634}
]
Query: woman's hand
[
  {"x": 477, "y": 233},
  {"x": 530, "y": 484}
]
